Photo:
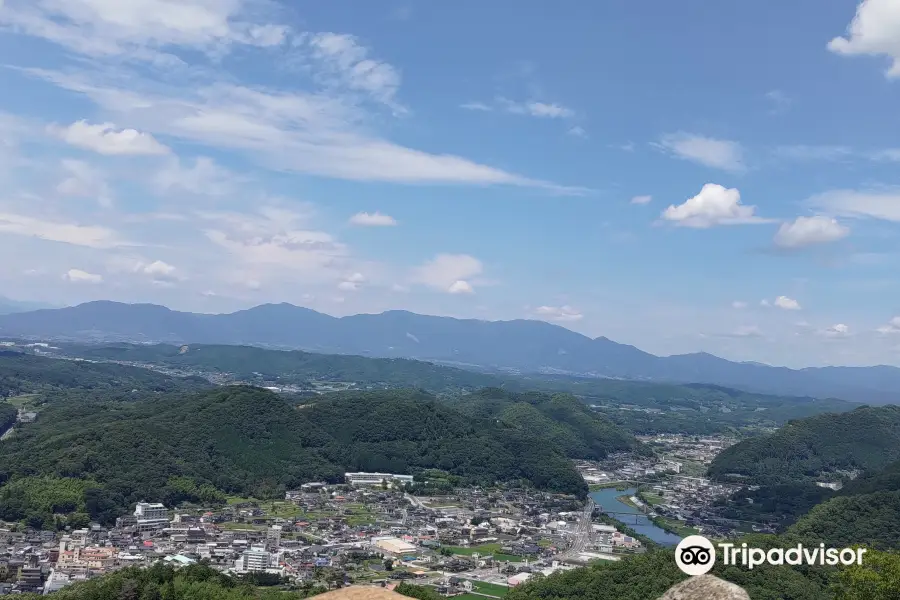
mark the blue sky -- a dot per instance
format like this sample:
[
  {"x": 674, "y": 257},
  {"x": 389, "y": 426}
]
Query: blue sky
[{"x": 680, "y": 176}]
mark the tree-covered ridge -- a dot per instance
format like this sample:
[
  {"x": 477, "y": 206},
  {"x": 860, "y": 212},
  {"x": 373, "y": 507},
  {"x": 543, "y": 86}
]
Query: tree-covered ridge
[
  {"x": 574, "y": 428},
  {"x": 250, "y": 441},
  {"x": 686, "y": 408},
  {"x": 650, "y": 575},
  {"x": 163, "y": 582},
  {"x": 22, "y": 373},
  {"x": 404, "y": 430},
  {"x": 292, "y": 367},
  {"x": 870, "y": 519},
  {"x": 864, "y": 439}
]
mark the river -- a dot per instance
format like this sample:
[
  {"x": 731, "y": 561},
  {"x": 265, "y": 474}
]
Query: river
[{"x": 607, "y": 498}]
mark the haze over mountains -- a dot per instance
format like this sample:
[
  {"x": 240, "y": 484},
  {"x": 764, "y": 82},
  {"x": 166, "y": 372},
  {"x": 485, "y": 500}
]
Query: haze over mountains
[{"x": 521, "y": 345}]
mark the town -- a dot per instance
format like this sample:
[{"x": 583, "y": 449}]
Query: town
[
  {"x": 371, "y": 530},
  {"x": 365, "y": 531}
]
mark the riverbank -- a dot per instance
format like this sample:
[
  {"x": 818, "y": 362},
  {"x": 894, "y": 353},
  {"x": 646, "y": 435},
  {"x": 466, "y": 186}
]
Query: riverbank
[
  {"x": 629, "y": 519},
  {"x": 672, "y": 526},
  {"x": 618, "y": 485}
]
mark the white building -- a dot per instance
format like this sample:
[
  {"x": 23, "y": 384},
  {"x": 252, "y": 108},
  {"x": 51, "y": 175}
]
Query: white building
[
  {"x": 148, "y": 511},
  {"x": 151, "y": 516},
  {"x": 254, "y": 559},
  {"x": 273, "y": 537},
  {"x": 376, "y": 478},
  {"x": 393, "y": 545}
]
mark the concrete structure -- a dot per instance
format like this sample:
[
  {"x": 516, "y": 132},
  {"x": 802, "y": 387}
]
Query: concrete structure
[
  {"x": 273, "y": 537},
  {"x": 151, "y": 516},
  {"x": 393, "y": 545},
  {"x": 148, "y": 510},
  {"x": 376, "y": 478},
  {"x": 254, "y": 559}
]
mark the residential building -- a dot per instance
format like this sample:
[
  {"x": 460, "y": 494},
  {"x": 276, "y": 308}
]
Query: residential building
[{"x": 376, "y": 478}]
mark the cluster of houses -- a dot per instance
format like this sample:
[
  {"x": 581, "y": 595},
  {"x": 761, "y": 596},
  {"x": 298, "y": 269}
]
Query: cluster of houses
[{"x": 360, "y": 532}]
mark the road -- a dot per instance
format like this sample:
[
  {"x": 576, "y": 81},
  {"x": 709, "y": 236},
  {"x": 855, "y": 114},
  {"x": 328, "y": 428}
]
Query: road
[{"x": 584, "y": 533}]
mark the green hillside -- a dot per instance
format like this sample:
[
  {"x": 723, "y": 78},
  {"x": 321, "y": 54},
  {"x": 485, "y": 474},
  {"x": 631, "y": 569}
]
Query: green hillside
[
  {"x": 863, "y": 439},
  {"x": 573, "y": 427},
  {"x": 22, "y": 373},
  {"x": 242, "y": 440},
  {"x": 292, "y": 367}
]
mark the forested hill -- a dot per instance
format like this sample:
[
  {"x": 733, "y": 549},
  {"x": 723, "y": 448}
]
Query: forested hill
[
  {"x": 569, "y": 423},
  {"x": 864, "y": 439},
  {"x": 92, "y": 456},
  {"x": 22, "y": 373},
  {"x": 250, "y": 363},
  {"x": 689, "y": 408}
]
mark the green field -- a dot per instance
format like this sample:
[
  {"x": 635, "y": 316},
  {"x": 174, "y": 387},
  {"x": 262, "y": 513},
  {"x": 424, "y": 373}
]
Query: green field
[
  {"x": 24, "y": 401},
  {"x": 651, "y": 499},
  {"x": 492, "y": 589},
  {"x": 619, "y": 485},
  {"x": 676, "y": 527}
]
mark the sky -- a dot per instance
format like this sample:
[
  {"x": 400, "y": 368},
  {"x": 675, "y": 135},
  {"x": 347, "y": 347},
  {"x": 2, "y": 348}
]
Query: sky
[{"x": 678, "y": 175}]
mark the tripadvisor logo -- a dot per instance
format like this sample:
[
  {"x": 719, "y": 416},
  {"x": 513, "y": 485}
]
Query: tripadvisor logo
[{"x": 696, "y": 555}]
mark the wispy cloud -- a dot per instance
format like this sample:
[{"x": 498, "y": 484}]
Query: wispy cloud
[{"x": 719, "y": 154}]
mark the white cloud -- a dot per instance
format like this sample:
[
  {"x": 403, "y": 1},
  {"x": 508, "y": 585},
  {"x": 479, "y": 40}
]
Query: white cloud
[
  {"x": 887, "y": 155},
  {"x": 461, "y": 287},
  {"x": 347, "y": 61},
  {"x": 275, "y": 239},
  {"x": 641, "y": 199},
  {"x": 765, "y": 303},
  {"x": 739, "y": 304},
  {"x": 719, "y": 154},
  {"x": 91, "y": 236},
  {"x": 892, "y": 327},
  {"x": 806, "y": 231},
  {"x": 874, "y": 30},
  {"x": 786, "y": 303},
  {"x": 836, "y": 331},
  {"x": 106, "y": 139},
  {"x": 537, "y": 109},
  {"x": 479, "y": 106},
  {"x": 883, "y": 205},
  {"x": 562, "y": 314},
  {"x": 158, "y": 272},
  {"x": 84, "y": 181},
  {"x": 141, "y": 29},
  {"x": 352, "y": 283},
  {"x": 158, "y": 268},
  {"x": 298, "y": 132},
  {"x": 449, "y": 272},
  {"x": 375, "y": 219},
  {"x": 714, "y": 205},
  {"x": 578, "y": 131},
  {"x": 79, "y": 276},
  {"x": 204, "y": 178},
  {"x": 747, "y": 331}
]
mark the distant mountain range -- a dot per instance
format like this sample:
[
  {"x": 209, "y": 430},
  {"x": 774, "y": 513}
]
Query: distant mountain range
[
  {"x": 508, "y": 346},
  {"x": 9, "y": 306}
]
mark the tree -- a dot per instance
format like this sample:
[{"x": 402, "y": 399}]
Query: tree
[
  {"x": 389, "y": 565},
  {"x": 878, "y": 578}
]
